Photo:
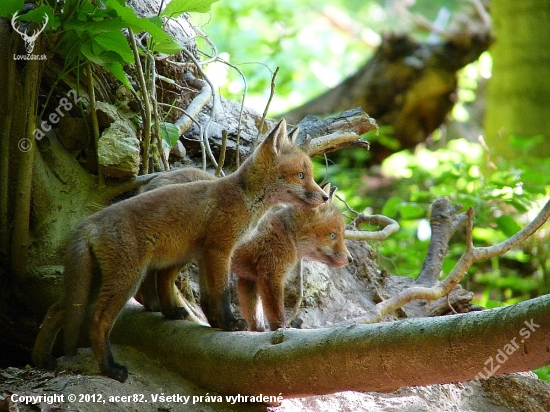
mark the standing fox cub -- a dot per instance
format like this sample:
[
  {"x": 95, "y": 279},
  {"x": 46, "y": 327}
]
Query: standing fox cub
[
  {"x": 264, "y": 258},
  {"x": 162, "y": 230},
  {"x": 283, "y": 237}
]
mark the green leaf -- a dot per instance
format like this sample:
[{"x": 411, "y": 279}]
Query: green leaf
[
  {"x": 391, "y": 207},
  {"x": 9, "y": 7},
  {"x": 170, "y": 133},
  {"x": 507, "y": 225},
  {"x": 138, "y": 24},
  {"x": 118, "y": 71},
  {"x": 116, "y": 42},
  {"x": 177, "y": 7},
  {"x": 411, "y": 211},
  {"x": 96, "y": 27}
]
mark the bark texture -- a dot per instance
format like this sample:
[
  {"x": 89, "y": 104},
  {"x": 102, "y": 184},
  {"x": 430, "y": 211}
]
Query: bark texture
[
  {"x": 520, "y": 79},
  {"x": 381, "y": 357}
]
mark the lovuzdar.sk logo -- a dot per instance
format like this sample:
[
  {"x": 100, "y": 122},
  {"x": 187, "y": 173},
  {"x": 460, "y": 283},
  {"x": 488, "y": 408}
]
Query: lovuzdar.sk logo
[{"x": 29, "y": 39}]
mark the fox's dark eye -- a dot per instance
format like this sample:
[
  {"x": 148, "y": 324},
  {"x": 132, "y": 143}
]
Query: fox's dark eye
[
  {"x": 300, "y": 175},
  {"x": 333, "y": 235}
]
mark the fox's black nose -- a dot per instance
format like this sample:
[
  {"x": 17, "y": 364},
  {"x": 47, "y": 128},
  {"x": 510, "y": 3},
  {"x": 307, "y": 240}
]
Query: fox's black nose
[
  {"x": 350, "y": 259},
  {"x": 325, "y": 197}
]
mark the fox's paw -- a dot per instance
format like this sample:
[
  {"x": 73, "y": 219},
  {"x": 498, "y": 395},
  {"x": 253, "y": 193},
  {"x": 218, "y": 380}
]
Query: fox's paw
[
  {"x": 117, "y": 372},
  {"x": 176, "y": 313},
  {"x": 241, "y": 324},
  {"x": 49, "y": 363},
  {"x": 296, "y": 323},
  {"x": 234, "y": 325}
]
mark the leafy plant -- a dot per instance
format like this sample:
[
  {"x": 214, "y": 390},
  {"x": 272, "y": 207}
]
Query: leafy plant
[{"x": 503, "y": 199}]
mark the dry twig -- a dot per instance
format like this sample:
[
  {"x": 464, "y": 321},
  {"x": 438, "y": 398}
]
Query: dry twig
[{"x": 471, "y": 255}]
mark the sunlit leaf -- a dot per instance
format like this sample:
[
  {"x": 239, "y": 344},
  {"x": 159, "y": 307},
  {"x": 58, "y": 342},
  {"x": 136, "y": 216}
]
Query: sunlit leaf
[
  {"x": 117, "y": 43},
  {"x": 170, "y": 133},
  {"x": 177, "y": 7}
]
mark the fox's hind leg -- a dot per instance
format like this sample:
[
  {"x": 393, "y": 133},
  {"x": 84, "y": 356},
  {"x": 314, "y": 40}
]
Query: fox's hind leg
[
  {"x": 168, "y": 294},
  {"x": 147, "y": 294},
  {"x": 116, "y": 289}
]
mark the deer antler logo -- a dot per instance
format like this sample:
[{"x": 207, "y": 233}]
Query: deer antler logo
[{"x": 29, "y": 40}]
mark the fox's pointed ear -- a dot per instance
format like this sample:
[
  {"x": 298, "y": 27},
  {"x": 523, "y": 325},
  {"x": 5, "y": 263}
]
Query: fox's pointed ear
[
  {"x": 277, "y": 138},
  {"x": 329, "y": 190},
  {"x": 294, "y": 135}
]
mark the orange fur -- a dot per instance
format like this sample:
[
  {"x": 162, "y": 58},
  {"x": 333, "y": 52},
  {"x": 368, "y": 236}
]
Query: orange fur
[
  {"x": 162, "y": 230},
  {"x": 265, "y": 257}
]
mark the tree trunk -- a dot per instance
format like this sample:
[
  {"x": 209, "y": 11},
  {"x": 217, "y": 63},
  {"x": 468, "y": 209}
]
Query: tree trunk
[
  {"x": 518, "y": 101},
  {"x": 381, "y": 357},
  {"x": 407, "y": 85}
]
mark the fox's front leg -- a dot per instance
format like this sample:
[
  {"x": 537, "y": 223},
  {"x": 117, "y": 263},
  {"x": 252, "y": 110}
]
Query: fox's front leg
[
  {"x": 271, "y": 288},
  {"x": 216, "y": 301},
  {"x": 250, "y": 304},
  {"x": 167, "y": 294}
]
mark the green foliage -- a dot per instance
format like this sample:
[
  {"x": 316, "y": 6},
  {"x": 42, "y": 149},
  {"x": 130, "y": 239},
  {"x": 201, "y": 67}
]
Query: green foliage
[
  {"x": 543, "y": 373},
  {"x": 85, "y": 31},
  {"x": 177, "y": 7},
  {"x": 169, "y": 133},
  {"x": 315, "y": 44},
  {"x": 9, "y": 7},
  {"x": 504, "y": 199},
  {"x": 91, "y": 33}
]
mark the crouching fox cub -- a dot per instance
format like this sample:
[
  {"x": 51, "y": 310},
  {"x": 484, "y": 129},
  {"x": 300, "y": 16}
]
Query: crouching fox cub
[
  {"x": 162, "y": 230},
  {"x": 264, "y": 258}
]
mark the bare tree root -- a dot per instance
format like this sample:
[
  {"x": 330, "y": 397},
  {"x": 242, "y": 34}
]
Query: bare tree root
[
  {"x": 470, "y": 256},
  {"x": 198, "y": 103}
]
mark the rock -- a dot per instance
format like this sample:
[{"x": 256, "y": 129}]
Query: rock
[
  {"x": 118, "y": 151},
  {"x": 178, "y": 150}
]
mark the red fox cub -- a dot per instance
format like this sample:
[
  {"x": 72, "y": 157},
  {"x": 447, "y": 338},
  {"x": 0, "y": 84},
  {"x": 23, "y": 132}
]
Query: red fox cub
[
  {"x": 264, "y": 258},
  {"x": 162, "y": 230}
]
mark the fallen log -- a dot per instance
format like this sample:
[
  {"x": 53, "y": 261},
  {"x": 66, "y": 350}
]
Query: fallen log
[{"x": 375, "y": 358}]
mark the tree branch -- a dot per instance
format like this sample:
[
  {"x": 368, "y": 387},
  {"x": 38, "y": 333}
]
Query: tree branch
[
  {"x": 444, "y": 223},
  {"x": 297, "y": 363},
  {"x": 470, "y": 256},
  {"x": 391, "y": 226},
  {"x": 317, "y": 136}
]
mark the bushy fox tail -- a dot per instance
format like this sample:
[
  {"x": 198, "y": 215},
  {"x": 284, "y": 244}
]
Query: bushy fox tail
[{"x": 80, "y": 267}]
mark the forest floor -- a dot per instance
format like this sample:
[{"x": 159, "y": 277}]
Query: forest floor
[{"x": 76, "y": 385}]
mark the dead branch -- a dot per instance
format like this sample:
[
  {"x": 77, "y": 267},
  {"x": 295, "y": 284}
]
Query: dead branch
[
  {"x": 444, "y": 222},
  {"x": 317, "y": 136},
  {"x": 469, "y": 257},
  {"x": 264, "y": 115},
  {"x": 391, "y": 226},
  {"x": 194, "y": 108}
]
